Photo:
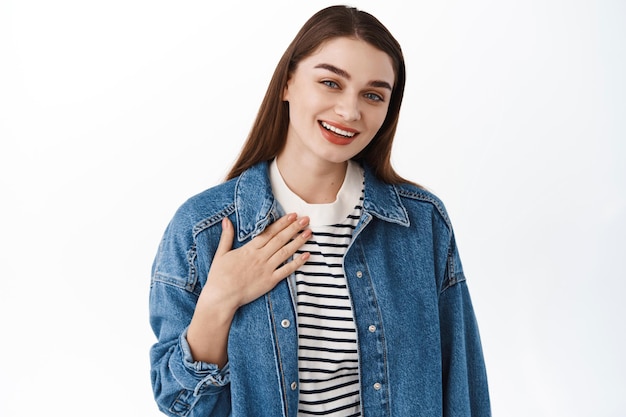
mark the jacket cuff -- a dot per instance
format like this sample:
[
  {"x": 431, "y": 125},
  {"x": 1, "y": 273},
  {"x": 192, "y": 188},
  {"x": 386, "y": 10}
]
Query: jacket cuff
[{"x": 199, "y": 377}]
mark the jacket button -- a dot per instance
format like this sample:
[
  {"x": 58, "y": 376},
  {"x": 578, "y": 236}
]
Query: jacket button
[
  {"x": 377, "y": 386},
  {"x": 359, "y": 274},
  {"x": 372, "y": 328},
  {"x": 294, "y": 386},
  {"x": 285, "y": 323}
]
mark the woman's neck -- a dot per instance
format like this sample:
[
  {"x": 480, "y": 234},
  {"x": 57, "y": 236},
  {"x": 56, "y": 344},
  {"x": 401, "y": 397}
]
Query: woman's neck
[{"x": 313, "y": 183}]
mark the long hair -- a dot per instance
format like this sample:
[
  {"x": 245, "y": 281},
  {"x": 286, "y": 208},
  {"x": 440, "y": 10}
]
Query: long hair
[{"x": 269, "y": 131}]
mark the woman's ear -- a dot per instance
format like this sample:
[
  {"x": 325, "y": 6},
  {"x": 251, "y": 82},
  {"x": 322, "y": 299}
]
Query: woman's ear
[{"x": 286, "y": 92}]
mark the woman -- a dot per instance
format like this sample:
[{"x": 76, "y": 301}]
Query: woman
[{"x": 316, "y": 280}]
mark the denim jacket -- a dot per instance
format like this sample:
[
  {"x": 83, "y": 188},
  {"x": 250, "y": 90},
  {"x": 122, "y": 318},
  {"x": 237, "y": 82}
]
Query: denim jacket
[{"x": 419, "y": 346}]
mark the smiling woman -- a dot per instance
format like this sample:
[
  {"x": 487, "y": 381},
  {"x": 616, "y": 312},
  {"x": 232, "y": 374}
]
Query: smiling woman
[
  {"x": 338, "y": 95},
  {"x": 315, "y": 280}
]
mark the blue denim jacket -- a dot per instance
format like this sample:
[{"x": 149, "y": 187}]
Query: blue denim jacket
[{"x": 419, "y": 346}]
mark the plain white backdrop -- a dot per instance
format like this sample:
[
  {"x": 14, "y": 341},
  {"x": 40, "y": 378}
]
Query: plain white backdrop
[{"x": 113, "y": 113}]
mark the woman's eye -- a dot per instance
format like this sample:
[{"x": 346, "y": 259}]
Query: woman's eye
[
  {"x": 374, "y": 97},
  {"x": 330, "y": 84}
]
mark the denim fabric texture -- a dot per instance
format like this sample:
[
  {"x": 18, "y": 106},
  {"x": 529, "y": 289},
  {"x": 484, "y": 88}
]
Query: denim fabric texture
[{"x": 419, "y": 346}]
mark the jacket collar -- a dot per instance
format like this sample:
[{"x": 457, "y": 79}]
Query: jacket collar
[
  {"x": 256, "y": 206},
  {"x": 383, "y": 200}
]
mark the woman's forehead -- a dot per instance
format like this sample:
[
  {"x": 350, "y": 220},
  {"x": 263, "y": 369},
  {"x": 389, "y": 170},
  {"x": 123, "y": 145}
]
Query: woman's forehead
[{"x": 354, "y": 56}]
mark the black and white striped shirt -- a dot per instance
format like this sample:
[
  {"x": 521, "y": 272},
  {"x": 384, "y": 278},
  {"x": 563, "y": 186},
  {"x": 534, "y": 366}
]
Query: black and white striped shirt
[{"x": 327, "y": 344}]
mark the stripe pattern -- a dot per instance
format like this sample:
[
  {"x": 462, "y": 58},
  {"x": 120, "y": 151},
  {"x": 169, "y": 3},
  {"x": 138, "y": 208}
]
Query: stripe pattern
[{"x": 327, "y": 345}]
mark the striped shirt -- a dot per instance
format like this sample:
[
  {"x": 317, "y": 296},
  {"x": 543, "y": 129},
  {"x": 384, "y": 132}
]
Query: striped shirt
[{"x": 328, "y": 359}]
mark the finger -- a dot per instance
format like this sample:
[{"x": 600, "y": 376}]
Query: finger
[
  {"x": 286, "y": 251},
  {"x": 270, "y": 231},
  {"x": 291, "y": 266},
  {"x": 284, "y": 236},
  {"x": 226, "y": 238}
]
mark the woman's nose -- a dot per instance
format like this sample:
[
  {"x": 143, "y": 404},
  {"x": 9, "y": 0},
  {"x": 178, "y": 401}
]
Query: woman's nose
[{"x": 348, "y": 108}]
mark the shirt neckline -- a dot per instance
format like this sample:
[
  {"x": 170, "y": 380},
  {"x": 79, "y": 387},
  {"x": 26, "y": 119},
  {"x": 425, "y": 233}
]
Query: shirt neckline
[{"x": 324, "y": 214}]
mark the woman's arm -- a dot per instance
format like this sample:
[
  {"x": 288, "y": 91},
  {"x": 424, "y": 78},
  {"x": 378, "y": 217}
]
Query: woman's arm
[
  {"x": 240, "y": 276},
  {"x": 465, "y": 388},
  {"x": 189, "y": 360}
]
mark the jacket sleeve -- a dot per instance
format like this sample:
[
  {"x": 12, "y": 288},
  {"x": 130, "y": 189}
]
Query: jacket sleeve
[
  {"x": 465, "y": 390},
  {"x": 181, "y": 386}
]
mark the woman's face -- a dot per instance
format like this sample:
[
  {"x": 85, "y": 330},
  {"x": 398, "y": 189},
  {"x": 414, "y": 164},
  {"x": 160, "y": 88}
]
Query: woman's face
[{"x": 338, "y": 99}]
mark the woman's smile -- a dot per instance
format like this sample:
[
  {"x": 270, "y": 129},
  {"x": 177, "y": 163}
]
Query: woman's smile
[
  {"x": 339, "y": 135},
  {"x": 338, "y": 99}
]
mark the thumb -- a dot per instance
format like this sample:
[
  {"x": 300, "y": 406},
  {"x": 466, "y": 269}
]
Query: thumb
[{"x": 226, "y": 239}]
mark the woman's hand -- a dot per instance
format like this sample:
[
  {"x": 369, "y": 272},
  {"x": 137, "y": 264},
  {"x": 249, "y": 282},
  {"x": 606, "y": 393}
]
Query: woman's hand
[{"x": 239, "y": 276}]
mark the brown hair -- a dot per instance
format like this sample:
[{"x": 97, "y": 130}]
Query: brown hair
[{"x": 269, "y": 131}]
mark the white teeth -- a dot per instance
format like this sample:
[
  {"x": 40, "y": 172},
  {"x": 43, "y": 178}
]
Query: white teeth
[{"x": 337, "y": 131}]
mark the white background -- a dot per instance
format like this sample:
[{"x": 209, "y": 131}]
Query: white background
[{"x": 113, "y": 113}]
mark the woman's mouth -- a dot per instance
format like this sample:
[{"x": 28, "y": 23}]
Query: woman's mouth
[
  {"x": 337, "y": 135},
  {"x": 338, "y": 131}
]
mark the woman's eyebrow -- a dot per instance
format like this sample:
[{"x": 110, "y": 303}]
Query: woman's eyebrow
[
  {"x": 332, "y": 68},
  {"x": 381, "y": 84},
  {"x": 344, "y": 74}
]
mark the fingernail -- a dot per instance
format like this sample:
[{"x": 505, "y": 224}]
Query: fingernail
[{"x": 304, "y": 221}]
